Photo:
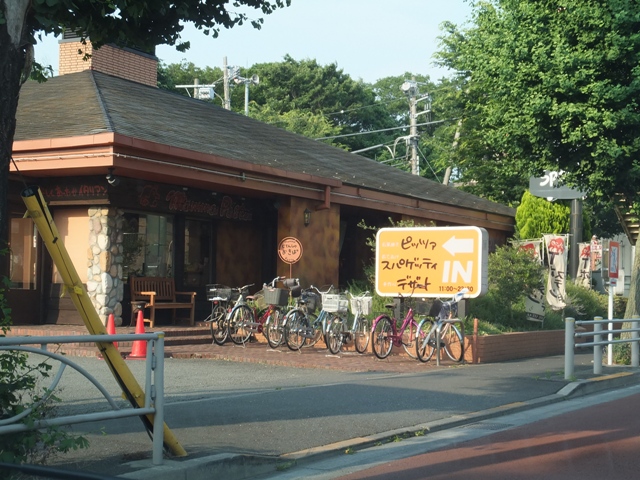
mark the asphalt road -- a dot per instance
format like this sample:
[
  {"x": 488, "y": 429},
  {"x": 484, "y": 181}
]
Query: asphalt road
[{"x": 217, "y": 406}]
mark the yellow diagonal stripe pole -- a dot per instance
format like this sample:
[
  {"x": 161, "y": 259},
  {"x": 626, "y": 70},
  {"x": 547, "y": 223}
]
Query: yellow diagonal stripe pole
[{"x": 38, "y": 211}]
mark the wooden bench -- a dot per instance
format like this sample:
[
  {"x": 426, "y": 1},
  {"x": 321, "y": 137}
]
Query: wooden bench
[{"x": 159, "y": 293}]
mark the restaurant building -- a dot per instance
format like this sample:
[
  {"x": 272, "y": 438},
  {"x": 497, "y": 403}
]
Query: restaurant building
[{"x": 146, "y": 182}]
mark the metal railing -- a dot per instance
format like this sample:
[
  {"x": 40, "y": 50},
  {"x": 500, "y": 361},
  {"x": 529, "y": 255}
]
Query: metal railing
[
  {"x": 598, "y": 341},
  {"x": 154, "y": 384}
]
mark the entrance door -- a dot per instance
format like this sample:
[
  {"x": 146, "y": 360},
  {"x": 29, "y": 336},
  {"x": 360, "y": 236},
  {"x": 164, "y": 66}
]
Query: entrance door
[{"x": 24, "y": 289}]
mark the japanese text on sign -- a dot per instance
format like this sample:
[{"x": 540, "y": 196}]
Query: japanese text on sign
[
  {"x": 290, "y": 250},
  {"x": 431, "y": 262}
]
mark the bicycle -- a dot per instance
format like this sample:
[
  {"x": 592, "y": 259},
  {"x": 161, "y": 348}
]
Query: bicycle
[
  {"x": 304, "y": 328},
  {"x": 385, "y": 334},
  {"x": 441, "y": 332},
  {"x": 263, "y": 312},
  {"x": 337, "y": 333},
  {"x": 240, "y": 317},
  {"x": 220, "y": 297},
  {"x": 275, "y": 326}
]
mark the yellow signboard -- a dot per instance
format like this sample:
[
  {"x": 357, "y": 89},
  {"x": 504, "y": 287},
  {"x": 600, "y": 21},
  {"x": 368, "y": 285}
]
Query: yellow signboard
[{"x": 431, "y": 261}]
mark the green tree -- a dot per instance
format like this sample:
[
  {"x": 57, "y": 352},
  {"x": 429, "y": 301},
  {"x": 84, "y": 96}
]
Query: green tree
[
  {"x": 125, "y": 23},
  {"x": 305, "y": 86},
  {"x": 536, "y": 216},
  {"x": 298, "y": 121},
  {"x": 554, "y": 85},
  {"x": 185, "y": 73}
]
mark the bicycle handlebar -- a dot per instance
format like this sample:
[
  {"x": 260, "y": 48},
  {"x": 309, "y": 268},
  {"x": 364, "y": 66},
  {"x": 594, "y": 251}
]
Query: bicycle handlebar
[
  {"x": 360, "y": 295},
  {"x": 241, "y": 289},
  {"x": 272, "y": 283},
  {"x": 320, "y": 291}
]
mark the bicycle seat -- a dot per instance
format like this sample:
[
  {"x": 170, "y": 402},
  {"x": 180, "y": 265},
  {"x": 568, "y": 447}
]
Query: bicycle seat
[{"x": 390, "y": 306}]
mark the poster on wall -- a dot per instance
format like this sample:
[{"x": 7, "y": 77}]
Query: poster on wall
[
  {"x": 584, "y": 265},
  {"x": 557, "y": 254}
]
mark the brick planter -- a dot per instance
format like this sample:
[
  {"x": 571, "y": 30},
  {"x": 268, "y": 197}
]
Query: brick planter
[{"x": 511, "y": 346}]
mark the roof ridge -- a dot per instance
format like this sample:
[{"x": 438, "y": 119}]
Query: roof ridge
[{"x": 102, "y": 102}]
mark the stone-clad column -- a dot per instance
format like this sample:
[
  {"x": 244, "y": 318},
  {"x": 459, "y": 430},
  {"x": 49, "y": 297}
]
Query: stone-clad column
[{"x": 104, "y": 275}]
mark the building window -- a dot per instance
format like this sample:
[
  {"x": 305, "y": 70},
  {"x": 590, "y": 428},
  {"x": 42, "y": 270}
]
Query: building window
[
  {"x": 23, "y": 254},
  {"x": 197, "y": 253},
  {"x": 147, "y": 245}
]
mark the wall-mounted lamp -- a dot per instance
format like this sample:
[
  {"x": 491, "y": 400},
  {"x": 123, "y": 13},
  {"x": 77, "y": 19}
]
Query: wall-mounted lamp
[
  {"x": 112, "y": 179},
  {"x": 307, "y": 217}
]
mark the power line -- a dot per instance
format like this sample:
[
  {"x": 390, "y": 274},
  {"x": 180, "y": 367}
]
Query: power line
[{"x": 383, "y": 130}]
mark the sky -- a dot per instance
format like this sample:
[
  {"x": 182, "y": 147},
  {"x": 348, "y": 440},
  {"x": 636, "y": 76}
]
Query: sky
[{"x": 367, "y": 39}]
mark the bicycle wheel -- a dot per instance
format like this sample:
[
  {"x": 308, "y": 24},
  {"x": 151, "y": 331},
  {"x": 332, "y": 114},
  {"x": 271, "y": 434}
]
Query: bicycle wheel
[
  {"x": 382, "y": 337},
  {"x": 240, "y": 317},
  {"x": 361, "y": 334},
  {"x": 333, "y": 337},
  {"x": 426, "y": 342},
  {"x": 452, "y": 343},
  {"x": 218, "y": 325},
  {"x": 273, "y": 328},
  {"x": 409, "y": 339},
  {"x": 316, "y": 334},
  {"x": 296, "y": 325}
]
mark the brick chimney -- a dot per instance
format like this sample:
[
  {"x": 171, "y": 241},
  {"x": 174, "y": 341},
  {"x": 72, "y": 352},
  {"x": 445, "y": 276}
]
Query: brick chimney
[{"x": 125, "y": 63}]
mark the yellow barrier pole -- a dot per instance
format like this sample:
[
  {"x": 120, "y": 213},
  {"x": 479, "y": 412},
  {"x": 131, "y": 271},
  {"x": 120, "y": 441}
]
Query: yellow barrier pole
[{"x": 38, "y": 211}]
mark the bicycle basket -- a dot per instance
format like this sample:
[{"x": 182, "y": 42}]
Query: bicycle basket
[
  {"x": 311, "y": 300},
  {"x": 333, "y": 303},
  {"x": 276, "y": 296},
  {"x": 363, "y": 304},
  {"x": 216, "y": 291},
  {"x": 258, "y": 300}
]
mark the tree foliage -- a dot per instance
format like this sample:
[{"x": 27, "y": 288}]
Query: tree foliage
[
  {"x": 553, "y": 85},
  {"x": 536, "y": 216}
]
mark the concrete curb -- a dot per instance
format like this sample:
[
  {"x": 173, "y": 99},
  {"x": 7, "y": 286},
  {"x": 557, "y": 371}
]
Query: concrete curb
[{"x": 244, "y": 466}]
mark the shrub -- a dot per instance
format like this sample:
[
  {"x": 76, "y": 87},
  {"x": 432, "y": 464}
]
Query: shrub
[
  {"x": 19, "y": 392},
  {"x": 512, "y": 275}
]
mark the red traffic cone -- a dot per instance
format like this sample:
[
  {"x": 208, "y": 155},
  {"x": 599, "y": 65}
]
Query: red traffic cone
[
  {"x": 139, "y": 349},
  {"x": 111, "y": 327}
]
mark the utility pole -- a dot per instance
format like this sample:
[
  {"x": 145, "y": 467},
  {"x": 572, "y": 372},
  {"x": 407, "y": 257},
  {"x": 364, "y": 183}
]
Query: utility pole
[
  {"x": 410, "y": 88},
  {"x": 225, "y": 73},
  {"x": 413, "y": 130}
]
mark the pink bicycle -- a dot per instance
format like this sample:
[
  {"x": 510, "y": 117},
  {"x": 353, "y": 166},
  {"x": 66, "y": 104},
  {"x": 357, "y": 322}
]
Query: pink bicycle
[{"x": 385, "y": 334}]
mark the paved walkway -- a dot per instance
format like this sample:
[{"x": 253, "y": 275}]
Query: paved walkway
[{"x": 257, "y": 351}]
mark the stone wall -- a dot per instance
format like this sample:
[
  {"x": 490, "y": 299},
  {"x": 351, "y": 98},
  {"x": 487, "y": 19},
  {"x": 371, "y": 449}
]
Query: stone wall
[{"x": 104, "y": 276}]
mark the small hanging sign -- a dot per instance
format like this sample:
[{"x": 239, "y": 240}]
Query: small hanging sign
[{"x": 290, "y": 250}]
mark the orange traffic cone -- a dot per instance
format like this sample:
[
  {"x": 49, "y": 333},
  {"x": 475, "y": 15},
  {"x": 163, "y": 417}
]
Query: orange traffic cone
[
  {"x": 111, "y": 327},
  {"x": 139, "y": 349}
]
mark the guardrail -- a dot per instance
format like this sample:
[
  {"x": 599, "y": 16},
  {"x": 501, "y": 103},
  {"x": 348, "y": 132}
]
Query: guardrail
[
  {"x": 598, "y": 341},
  {"x": 154, "y": 384}
]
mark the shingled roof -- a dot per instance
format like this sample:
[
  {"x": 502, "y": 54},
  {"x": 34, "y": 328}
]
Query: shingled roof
[{"x": 90, "y": 102}]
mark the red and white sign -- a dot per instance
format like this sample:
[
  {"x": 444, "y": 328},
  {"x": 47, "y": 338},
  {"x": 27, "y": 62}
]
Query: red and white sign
[{"x": 614, "y": 255}]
